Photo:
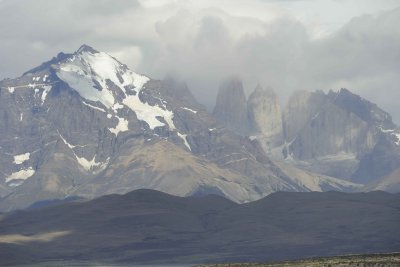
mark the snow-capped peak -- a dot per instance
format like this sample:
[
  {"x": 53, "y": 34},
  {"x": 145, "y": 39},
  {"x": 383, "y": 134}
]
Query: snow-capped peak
[
  {"x": 89, "y": 72},
  {"x": 99, "y": 77}
]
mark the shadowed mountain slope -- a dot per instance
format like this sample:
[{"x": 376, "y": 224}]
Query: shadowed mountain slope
[{"x": 147, "y": 226}]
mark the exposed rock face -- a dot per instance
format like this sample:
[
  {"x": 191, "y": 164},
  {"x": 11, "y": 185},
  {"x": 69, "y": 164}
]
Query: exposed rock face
[
  {"x": 265, "y": 116},
  {"x": 341, "y": 134},
  {"x": 338, "y": 134},
  {"x": 301, "y": 108},
  {"x": 380, "y": 161},
  {"x": 363, "y": 108},
  {"x": 230, "y": 108},
  {"x": 260, "y": 116},
  {"x": 332, "y": 131}
]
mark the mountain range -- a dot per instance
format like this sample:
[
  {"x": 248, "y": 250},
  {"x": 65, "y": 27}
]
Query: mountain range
[
  {"x": 85, "y": 125},
  {"x": 338, "y": 134}
]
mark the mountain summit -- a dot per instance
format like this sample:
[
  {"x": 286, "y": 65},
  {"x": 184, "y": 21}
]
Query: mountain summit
[{"x": 86, "y": 48}]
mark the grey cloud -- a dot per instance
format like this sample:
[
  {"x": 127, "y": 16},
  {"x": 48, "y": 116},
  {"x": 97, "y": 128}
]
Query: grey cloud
[
  {"x": 207, "y": 52},
  {"x": 212, "y": 33},
  {"x": 101, "y": 7},
  {"x": 33, "y": 31},
  {"x": 285, "y": 0},
  {"x": 205, "y": 46},
  {"x": 362, "y": 56},
  {"x": 365, "y": 46}
]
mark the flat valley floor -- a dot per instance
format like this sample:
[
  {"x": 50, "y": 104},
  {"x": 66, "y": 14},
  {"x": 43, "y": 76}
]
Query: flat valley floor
[{"x": 371, "y": 260}]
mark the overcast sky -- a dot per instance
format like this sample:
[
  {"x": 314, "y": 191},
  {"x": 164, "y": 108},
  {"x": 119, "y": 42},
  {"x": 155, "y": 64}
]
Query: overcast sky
[{"x": 286, "y": 44}]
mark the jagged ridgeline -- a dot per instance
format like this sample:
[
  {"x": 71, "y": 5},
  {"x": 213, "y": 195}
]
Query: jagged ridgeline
[
  {"x": 85, "y": 125},
  {"x": 338, "y": 134}
]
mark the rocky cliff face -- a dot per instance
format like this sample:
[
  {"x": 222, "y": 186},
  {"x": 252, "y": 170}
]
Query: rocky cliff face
[
  {"x": 230, "y": 108},
  {"x": 265, "y": 116},
  {"x": 301, "y": 108},
  {"x": 332, "y": 131},
  {"x": 338, "y": 134},
  {"x": 341, "y": 134},
  {"x": 259, "y": 116}
]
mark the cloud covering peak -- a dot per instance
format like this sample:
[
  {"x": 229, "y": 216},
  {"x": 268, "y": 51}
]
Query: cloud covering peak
[{"x": 288, "y": 45}]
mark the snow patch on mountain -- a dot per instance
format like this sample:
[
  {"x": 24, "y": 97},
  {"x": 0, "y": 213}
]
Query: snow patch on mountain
[
  {"x": 148, "y": 113},
  {"x": 88, "y": 165},
  {"x": 116, "y": 107},
  {"x": 82, "y": 82},
  {"x": 92, "y": 164},
  {"x": 35, "y": 86},
  {"x": 21, "y": 175},
  {"x": 19, "y": 159},
  {"x": 393, "y": 133},
  {"x": 253, "y": 137},
  {"x": 397, "y": 135},
  {"x": 46, "y": 90},
  {"x": 93, "y": 107},
  {"x": 122, "y": 126},
  {"x": 185, "y": 141},
  {"x": 65, "y": 141},
  {"x": 386, "y": 130},
  {"x": 188, "y": 109}
]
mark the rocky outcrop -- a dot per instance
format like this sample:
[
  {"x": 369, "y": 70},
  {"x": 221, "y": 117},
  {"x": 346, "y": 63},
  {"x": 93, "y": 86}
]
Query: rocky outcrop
[
  {"x": 340, "y": 134},
  {"x": 332, "y": 131},
  {"x": 300, "y": 109},
  {"x": 382, "y": 160},
  {"x": 367, "y": 111},
  {"x": 265, "y": 118},
  {"x": 260, "y": 116},
  {"x": 230, "y": 108}
]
